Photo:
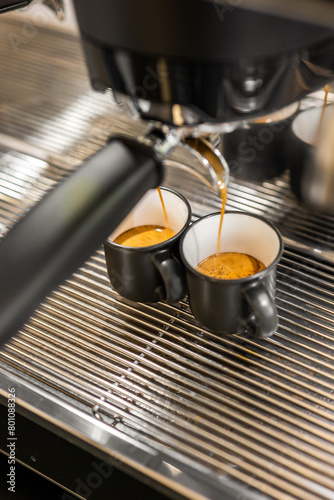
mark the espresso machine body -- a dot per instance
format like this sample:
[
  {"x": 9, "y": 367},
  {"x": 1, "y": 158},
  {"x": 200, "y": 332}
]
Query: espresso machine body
[{"x": 215, "y": 64}]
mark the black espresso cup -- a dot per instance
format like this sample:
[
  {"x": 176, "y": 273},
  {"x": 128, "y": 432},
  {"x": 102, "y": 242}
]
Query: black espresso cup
[
  {"x": 229, "y": 306},
  {"x": 153, "y": 272}
]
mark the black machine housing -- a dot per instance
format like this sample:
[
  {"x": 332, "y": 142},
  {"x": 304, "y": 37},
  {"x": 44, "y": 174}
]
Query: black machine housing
[{"x": 215, "y": 62}]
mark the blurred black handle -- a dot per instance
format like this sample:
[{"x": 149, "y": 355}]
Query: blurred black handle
[
  {"x": 7, "y": 5},
  {"x": 69, "y": 224}
]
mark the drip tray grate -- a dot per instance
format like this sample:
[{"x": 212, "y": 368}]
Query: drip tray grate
[{"x": 259, "y": 412}]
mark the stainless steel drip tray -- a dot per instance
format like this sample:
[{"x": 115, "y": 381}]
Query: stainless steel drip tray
[
  {"x": 148, "y": 387},
  {"x": 143, "y": 386}
]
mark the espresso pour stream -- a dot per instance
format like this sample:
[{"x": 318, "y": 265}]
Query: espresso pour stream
[
  {"x": 163, "y": 207},
  {"x": 318, "y": 132},
  {"x": 221, "y": 172}
]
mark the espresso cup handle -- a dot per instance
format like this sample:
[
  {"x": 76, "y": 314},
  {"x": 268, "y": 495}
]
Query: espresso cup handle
[
  {"x": 264, "y": 309},
  {"x": 172, "y": 276}
]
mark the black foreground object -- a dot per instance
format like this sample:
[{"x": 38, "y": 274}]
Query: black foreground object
[{"x": 68, "y": 225}]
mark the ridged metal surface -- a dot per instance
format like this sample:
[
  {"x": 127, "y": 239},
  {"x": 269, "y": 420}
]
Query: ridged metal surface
[{"x": 259, "y": 413}]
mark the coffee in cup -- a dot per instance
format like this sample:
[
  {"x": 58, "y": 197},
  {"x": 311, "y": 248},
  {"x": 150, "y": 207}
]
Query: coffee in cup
[
  {"x": 230, "y": 265},
  {"x": 144, "y": 236}
]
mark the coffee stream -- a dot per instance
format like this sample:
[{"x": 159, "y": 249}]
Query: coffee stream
[
  {"x": 207, "y": 152},
  {"x": 318, "y": 132},
  {"x": 223, "y": 194},
  {"x": 163, "y": 207}
]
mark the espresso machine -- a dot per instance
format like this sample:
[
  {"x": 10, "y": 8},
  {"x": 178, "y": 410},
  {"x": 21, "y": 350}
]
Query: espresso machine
[{"x": 187, "y": 69}]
